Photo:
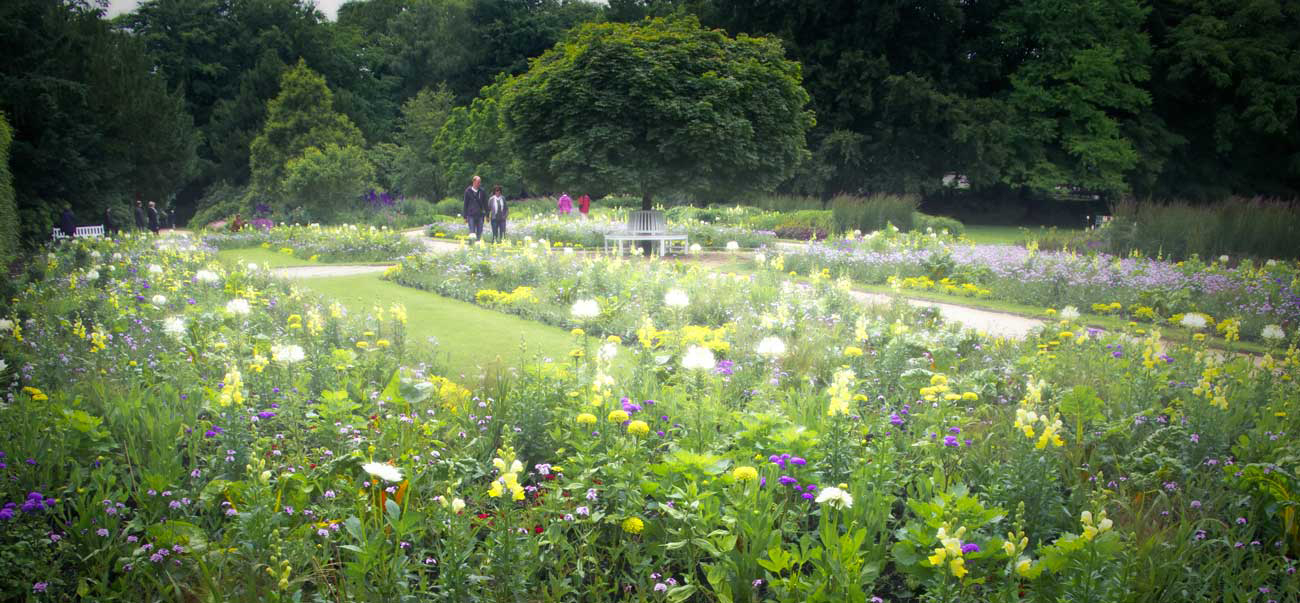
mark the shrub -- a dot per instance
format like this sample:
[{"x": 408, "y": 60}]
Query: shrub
[
  {"x": 451, "y": 206},
  {"x": 1234, "y": 227},
  {"x": 801, "y": 225},
  {"x": 873, "y": 213},
  {"x": 8, "y": 207},
  {"x": 922, "y": 221},
  {"x": 787, "y": 203},
  {"x": 221, "y": 202}
]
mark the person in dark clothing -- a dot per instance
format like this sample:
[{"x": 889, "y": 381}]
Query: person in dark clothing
[
  {"x": 475, "y": 207},
  {"x": 498, "y": 211},
  {"x": 68, "y": 222},
  {"x": 109, "y": 227},
  {"x": 153, "y": 218},
  {"x": 139, "y": 215}
]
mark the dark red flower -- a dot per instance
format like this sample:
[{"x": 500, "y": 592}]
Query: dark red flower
[{"x": 537, "y": 529}]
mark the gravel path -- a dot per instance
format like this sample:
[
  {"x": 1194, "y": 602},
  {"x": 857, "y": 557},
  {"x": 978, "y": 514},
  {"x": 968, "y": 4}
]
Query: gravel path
[
  {"x": 323, "y": 271},
  {"x": 993, "y": 324}
]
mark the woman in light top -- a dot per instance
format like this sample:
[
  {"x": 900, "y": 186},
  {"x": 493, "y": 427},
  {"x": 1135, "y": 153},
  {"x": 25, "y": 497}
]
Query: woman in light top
[
  {"x": 498, "y": 211},
  {"x": 565, "y": 204}
]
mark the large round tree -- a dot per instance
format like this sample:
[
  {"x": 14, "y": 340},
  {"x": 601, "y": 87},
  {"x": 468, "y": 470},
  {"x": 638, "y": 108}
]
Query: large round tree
[{"x": 664, "y": 105}]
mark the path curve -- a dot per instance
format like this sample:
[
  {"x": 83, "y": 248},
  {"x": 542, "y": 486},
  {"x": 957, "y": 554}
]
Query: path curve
[
  {"x": 993, "y": 324},
  {"x": 324, "y": 271}
]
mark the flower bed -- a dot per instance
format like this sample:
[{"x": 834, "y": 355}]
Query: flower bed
[
  {"x": 320, "y": 243},
  {"x": 591, "y": 233},
  {"x": 1252, "y": 295},
  {"x": 209, "y": 433}
]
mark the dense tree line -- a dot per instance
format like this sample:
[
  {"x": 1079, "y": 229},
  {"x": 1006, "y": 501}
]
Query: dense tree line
[{"x": 1187, "y": 99}]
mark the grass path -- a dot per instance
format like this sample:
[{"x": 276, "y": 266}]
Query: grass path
[{"x": 467, "y": 339}]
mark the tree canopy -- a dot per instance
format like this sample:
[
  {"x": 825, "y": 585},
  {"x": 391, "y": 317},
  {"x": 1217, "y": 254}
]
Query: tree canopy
[{"x": 662, "y": 105}]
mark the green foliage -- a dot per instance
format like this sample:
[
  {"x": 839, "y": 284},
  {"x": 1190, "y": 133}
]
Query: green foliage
[
  {"x": 92, "y": 122},
  {"x": 664, "y": 105},
  {"x": 472, "y": 142},
  {"x": 873, "y": 213},
  {"x": 416, "y": 170},
  {"x": 1236, "y": 227},
  {"x": 925, "y": 222},
  {"x": 1072, "y": 97},
  {"x": 327, "y": 180},
  {"x": 301, "y": 116},
  {"x": 8, "y": 206}
]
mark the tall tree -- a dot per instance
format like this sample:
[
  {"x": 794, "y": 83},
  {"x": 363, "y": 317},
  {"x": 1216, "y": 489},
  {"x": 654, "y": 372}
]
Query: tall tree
[
  {"x": 301, "y": 116},
  {"x": 665, "y": 105},
  {"x": 93, "y": 123}
]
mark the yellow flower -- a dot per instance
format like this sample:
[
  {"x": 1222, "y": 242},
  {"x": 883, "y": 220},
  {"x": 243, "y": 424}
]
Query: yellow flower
[
  {"x": 958, "y": 567},
  {"x": 970, "y": 396},
  {"x": 586, "y": 418},
  {"x": 617, "y": 416},
  {"x": 638, "y": 428},
  {"x": 363, "y": 344},
  {"x": 577, "y": 332},
  {"x": 614, "y": 339},
  {"x": 745, "y": 474},
  {"x": 1065, "y": 334},
  {"x": 383, "y": 343},
  {"x": 938, "y": 380},
  {"x": 937, "y": 558},
  {"x": 36, "y": 394},
  {"x": 853, "y": 351},
  {"x": 633, "y": 525},
  {"x": 495, "y": 489},
  {"x": 1023, "y": 566}
]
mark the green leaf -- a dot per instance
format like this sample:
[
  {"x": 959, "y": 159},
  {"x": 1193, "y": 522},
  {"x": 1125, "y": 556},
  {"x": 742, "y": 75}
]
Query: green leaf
[{"x": 677, "y": 594}]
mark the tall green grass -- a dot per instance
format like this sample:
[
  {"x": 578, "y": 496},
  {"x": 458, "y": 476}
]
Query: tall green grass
[
  {"x": 1238, "y": 227},
  {"x": 873, "y": 213}
]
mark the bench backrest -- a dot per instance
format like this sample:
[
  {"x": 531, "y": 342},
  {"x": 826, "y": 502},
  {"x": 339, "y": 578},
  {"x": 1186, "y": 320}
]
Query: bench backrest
[
  {"x": 82, "y": 231},
  {"x": 646, "y": 222}
]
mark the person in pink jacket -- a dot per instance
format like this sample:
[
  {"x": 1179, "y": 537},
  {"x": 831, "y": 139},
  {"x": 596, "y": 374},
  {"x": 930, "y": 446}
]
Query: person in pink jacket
[{"x": 565, "y": 204}]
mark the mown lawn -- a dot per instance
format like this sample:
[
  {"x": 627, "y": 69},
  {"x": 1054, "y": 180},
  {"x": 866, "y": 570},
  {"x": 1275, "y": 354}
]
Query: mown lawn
[{"x": 1010, "y": 235}]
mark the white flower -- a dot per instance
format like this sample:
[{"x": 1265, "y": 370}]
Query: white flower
[
  {"x": 238, "y": 306},
  {"x": 733, "y": 246},
  {"x": 676, "y": 298},
  {"x": 174, "y": 326},
  {"x": 1069, "y": 313},
  {"x": 6, "y": 325},
  {"x": 3, "y": 365},
  {"x": 607, "y": 351},
  {"x": 287, "y": 354},
  {"x": 93, "y": 275},
  {"x": 568, "y": 251},
  {"x": 252, "y": 266},
  {"x": 760, "y": 258},
  {"x": 835, "y": 497},
  {"x": 457, "y": 505},
  {"x": 1194, "y": 320},
  {"x": 584, "y": 309},
  {"x": 206, "y": 276},
  {"x": 117, "y": 257},
  {"x": 1223, "y": 259},
  {"x": 155, "y": 269},
  {"x": 1273, "y": 332},
  {"x": 95, "y": 255},
  {"x": 695, "y": 248},
  {"x": 383, "y": 471},
  {"x": 159, "y": 300},
  {"x": 771, "y": 347},
  {"x": 1271, "y": 263},
  {"x": 698, "y": 358}
]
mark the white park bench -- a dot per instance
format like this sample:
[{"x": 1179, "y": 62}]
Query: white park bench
[
  {"x": 93, "y": 232},
  {"x": 647, "y": 225}
]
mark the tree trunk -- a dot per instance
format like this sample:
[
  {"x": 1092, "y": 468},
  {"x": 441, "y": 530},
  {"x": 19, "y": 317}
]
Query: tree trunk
[{"x": 645, "y": 200}]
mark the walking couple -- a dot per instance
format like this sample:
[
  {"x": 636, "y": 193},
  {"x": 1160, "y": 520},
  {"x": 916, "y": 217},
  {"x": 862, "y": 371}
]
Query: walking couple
[{"x": 478, "y": 205}]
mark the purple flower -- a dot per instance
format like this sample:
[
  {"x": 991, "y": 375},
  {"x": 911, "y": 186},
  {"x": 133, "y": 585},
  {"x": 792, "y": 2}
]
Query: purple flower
[
  {"x": 40, "y": 587},
  {"x": 786, "y": 480},
  {"x": 1241, "y": 521},
  {"x": 895, "y": 419},
  {"x": 970, "y": 547},
  {"x": 950, "y": 441},
  {"x": 266, "y": 414},
  {"x": 798, "y": 461}
]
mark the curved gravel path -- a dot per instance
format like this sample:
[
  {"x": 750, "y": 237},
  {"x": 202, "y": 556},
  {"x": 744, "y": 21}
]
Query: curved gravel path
[{"x": 325, "y": 271}]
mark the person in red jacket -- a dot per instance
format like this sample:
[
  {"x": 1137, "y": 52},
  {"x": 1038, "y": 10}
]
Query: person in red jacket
[{"x": 584, "y": 205}]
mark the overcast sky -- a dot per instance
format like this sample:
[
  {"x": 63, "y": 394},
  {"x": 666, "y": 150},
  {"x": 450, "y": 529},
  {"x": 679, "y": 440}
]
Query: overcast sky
[{"x": 117, "y": 7}]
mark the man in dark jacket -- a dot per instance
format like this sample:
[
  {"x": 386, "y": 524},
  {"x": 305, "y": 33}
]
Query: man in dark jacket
[
  {"x": 475, "y": 207},
  {"x": 68, "y": 222},
  {"x": 153, "y": 217},
  {"x": 139, "y": 215}
]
